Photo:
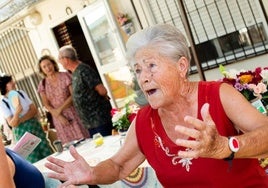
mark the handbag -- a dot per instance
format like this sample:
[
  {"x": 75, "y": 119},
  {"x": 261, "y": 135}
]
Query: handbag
[
  {"x": 50, "y": 120},
  {"x": 48, "y": 114}
]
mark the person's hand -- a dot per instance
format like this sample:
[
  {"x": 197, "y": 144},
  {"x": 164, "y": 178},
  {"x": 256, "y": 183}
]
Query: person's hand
[
  {"x": 63, "y": 120},
  {"x": 55, "y": 112},
  {"x": 73, "y": 173},
  {"x": 205, "y": 142}
]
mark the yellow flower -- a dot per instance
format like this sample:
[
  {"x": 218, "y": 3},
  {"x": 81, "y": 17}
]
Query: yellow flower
[{"x": 244, "y": 79}]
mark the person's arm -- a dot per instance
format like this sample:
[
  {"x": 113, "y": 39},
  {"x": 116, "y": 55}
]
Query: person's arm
[
  {"x": 208, "y": 143},
  {"x": 14, "y": 120},
  {"x": 102, "y": 91},
  {"x": 56, "y": 112},
  {"x": 68, "y": 102},
  {"x": 127, "y": 159},
  {"x": 5, "y": 174},
  {"x": 30, "y": 113},
  {"x": 46, "y": 103},
  {"x": 117, "y": 167},
  {"x": 246, "y": 118}
]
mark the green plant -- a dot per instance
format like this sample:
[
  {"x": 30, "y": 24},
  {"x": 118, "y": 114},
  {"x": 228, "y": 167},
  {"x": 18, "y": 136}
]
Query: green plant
[{"x": 122, "y": 118}]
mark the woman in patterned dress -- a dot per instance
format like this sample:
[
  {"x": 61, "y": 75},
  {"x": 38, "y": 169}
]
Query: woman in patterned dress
[
  {"x": 56, "y": 94},
  {"x": 22, "y": 117}
]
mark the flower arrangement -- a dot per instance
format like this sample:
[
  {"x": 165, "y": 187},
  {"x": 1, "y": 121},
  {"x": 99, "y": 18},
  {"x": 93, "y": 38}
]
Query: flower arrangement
[
  {"x": 252, "y": 84},
  {"x": 123, "y": 19},
  {"x": 122, "y": 118}
]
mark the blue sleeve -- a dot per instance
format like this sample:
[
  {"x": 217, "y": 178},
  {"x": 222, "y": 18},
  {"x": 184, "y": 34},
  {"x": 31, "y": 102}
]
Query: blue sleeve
[
  {"x": 11, "y": 95},
  {"x": 26, "y": 175}
]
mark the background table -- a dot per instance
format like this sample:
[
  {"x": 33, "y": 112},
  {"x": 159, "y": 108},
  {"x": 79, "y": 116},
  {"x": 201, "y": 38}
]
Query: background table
[{"x": 144, "y": 176}]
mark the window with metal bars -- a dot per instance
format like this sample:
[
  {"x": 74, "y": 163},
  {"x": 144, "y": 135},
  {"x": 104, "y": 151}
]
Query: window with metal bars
[
  {"x": 223, "y": 31},
  {"x": 18, "y": 58}
]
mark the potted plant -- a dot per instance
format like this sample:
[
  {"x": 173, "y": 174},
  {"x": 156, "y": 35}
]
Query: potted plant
[
  {"x": 122, "y": 118},
  {"x": 126, "y": 23},
  {"x": 253, "y": 85}
]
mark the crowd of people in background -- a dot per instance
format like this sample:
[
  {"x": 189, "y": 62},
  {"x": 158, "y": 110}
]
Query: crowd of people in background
[
  {"x": 79, "y": 105},
  {"x": 55, "y": 90},
  {"x": 76, "y": 99}
]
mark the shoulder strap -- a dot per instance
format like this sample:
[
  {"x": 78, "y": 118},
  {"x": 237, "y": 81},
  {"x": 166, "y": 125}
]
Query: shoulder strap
[
  {"x": 6, "y": 103},
  {"x": 20, "y": 94}
]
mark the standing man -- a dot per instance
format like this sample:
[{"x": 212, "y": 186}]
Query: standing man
[{"x": 89, "y": 95}]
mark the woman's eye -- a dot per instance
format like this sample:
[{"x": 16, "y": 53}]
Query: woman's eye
[
  {"x": 137, "y": 71},
  {"x": 151, "y": 65}
]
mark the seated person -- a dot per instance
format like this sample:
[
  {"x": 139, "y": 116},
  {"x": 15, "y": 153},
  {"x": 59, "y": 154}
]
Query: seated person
[{"x": 23, "y": 172}]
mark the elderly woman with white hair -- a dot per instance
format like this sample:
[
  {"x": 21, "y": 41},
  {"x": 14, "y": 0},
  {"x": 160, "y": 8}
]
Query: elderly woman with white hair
[{"x": 191, "y": 133}]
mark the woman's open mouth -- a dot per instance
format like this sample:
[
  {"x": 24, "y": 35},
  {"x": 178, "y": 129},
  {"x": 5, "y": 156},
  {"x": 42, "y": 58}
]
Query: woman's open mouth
[{"x": 151, "y": 91}]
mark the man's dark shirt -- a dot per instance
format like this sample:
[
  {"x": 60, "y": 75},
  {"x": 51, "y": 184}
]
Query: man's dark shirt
[{"x": 93, "y": 109}]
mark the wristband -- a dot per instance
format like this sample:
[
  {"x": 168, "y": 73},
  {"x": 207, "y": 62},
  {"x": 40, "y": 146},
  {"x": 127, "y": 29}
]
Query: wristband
[{"x": 233, "y": 144}]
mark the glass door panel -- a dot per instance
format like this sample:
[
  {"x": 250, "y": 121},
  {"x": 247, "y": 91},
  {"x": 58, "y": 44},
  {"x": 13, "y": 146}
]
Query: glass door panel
[
  {"x": 102, "y": 34},
  {"x": 108, "y": 50},
  {"x": 121, "y": 86}
]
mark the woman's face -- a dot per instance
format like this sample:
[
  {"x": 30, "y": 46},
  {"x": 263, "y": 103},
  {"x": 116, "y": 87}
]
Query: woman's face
[
  {"x": 158, "y": 76},
  {"x": 10, "y": 86},
  {"x": 47, "y": 67}
]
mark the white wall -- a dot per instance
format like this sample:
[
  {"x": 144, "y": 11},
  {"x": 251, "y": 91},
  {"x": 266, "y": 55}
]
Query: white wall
[
  {"x": 249, "y": 64},
  {"x": 52, "y": 13},
  {"x": 55, "y": 12}
]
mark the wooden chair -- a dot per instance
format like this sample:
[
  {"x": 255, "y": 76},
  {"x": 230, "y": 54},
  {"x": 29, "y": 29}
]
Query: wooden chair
[{"x": 51, "y": 136}]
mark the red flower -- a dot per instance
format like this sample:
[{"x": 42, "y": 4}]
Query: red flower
[
  {"x": 252, "y": 84},
  {"x": 113, "y": 111},
  {"x": 123, "y": 19}
]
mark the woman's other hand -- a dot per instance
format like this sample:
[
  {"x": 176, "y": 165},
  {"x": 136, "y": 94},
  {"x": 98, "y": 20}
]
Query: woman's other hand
[{"x": 64, "y": 171}]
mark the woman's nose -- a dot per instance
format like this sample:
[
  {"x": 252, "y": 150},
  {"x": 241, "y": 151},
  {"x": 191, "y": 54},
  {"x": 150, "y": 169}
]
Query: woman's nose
[{"x": 145, "y": 76}]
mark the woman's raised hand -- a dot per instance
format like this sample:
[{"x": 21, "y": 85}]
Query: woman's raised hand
[{"x": 206, "y": 141}]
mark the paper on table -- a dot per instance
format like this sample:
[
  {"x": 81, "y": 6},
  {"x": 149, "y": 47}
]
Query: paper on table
[{"x": 26, "y": 144}]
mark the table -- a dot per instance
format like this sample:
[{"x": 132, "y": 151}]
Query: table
[{"x": 144, "y": 176}]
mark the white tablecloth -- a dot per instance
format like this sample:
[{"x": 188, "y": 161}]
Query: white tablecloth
[{"x": 144, "y": 176}]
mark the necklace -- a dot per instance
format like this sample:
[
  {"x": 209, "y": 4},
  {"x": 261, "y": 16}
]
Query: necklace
[{"x": 175, "y": 159}]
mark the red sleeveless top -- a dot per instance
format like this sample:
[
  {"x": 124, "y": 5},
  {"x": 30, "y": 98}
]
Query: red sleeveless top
[{"x": 171, "y": 171}]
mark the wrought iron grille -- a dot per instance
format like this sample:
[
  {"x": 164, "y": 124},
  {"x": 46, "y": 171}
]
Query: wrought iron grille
[
  {"x": 18, "y": 58},
  {"x": 223, "y": 31}
]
